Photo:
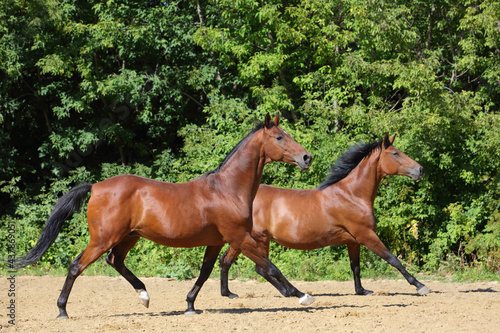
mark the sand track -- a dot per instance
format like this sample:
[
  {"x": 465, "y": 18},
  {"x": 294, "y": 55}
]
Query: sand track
[{"x": 109, "y": 304}]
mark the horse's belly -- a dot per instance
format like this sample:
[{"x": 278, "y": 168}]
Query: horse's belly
[
  {"x": 301, "y": 244},
  {"x": 187, "y": 236},
  {"x": 310, "y": 239}
]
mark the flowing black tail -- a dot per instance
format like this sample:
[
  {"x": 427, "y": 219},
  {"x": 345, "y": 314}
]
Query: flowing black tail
[{"x": 63, "y": 210}]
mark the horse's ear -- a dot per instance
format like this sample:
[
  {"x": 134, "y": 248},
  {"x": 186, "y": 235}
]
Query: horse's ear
[
  {"x": 386, "y": 142},
  {"x": 267, "y": 122},
  {"x": 392, "y": 139},
  {"x": 277, "y": 119}
]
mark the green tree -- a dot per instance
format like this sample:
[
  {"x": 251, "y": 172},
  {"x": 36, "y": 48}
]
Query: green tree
[
  {"x": 91, "y": 89},
  {"x": 354, "y": 70}
]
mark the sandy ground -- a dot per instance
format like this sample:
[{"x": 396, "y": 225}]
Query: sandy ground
[{"x": 109, "y": 304}]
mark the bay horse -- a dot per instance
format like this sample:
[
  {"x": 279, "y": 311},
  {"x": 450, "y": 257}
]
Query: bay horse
[
  {"x": 338, "y": 211},
  {"x": 210, "y": 211}
]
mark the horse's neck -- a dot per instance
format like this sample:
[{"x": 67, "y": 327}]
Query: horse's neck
[
  {"x": 364, "y": 180},
  {"x": 243, "y": 171}
]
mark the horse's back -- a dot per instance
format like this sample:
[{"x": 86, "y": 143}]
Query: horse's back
[
  {"x": 123, "y": 186},
  {"x": 124, "y": 190}
]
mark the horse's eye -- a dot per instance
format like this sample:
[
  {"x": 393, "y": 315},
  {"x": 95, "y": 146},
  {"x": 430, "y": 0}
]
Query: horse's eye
[
  {"x": 395, "y": 153},
  {"x": 279, "y": 138}
]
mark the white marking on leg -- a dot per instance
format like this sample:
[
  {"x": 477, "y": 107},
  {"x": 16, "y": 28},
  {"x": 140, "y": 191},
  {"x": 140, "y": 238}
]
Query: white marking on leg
[
  {"x": 423, "y": 291},
  {"x": 306, "y": 300},
  {"x": 143, "y": 297}
]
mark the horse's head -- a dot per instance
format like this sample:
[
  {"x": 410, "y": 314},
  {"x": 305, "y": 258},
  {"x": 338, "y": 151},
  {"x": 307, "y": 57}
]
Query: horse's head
[
  {"x": 394, "y": 162},
  {"x": 279, "y": 146}
]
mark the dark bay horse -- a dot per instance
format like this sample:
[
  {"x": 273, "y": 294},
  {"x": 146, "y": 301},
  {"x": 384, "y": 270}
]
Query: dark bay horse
[
  {"x": 210, "y": 211},
  {"x": 338, "y": 211}
]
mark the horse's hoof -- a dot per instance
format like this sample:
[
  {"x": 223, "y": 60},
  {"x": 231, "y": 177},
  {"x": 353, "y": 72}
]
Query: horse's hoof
[
  {"x": 364, "y": 292},
  {"x": 62, "y": 316},
  {"x": 190, "y": 312},
  {"x": 232, "y": 296},
  {"x": 306, "y": 300},
  {"x": 423, "y": 290},
  {"x": 144, "y": 297}
]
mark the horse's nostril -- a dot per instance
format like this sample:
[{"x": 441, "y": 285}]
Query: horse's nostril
[
  {"x": 307, "y": 158},
  {"x": 421, "y": 170}
]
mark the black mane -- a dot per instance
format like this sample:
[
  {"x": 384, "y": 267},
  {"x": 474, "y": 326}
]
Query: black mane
[
  {"x": 257, "y": 127},
  {"x": 348, "y": 161}
]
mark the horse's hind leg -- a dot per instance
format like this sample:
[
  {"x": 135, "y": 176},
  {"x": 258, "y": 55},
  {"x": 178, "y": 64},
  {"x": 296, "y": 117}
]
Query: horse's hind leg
[
  {"x": 82, "y": 261},
  {"x": 264, "y": 245},
  {"x": 116, "y": 258},
  {"x": 272, "y": 280},
  {"x": 258, "y": 256},
  {"x": 225, "y": 262},
  {"x": 353, "y": 250},
  {"x": 211, "y": 254}
]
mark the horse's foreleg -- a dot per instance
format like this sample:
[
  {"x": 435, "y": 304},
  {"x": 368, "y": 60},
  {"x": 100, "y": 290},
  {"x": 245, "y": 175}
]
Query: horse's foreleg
[
  {"x": 211, "y": 254},
  {"x": 116, "y": 258},
  {"x": 258, "y": 256},
  {"x": 375, "y": 245},
  {"x": 225, "y": 262},
  {"x": 353, "y": 250}
]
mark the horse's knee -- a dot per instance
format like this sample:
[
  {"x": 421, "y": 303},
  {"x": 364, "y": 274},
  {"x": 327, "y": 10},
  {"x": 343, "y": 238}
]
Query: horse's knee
[
  {"x": 274, "y": 271},
  {"x": 270, "y": 270},
  {"x": 259, "y": 270},
  {"x": 392, "y": 260}
]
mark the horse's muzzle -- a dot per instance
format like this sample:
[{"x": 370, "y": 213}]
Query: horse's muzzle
[
  {"x": 417, "y": 173},
  {"x": 306, "y": 161}
]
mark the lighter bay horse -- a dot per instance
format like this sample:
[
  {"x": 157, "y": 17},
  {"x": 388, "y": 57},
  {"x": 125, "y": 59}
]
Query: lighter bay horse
[
  {"x": 338, "y": 211},
  {"x": 210, "y": 211}
]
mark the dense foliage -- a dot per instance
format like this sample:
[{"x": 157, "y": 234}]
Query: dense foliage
[{"x": 92, "y": 89}]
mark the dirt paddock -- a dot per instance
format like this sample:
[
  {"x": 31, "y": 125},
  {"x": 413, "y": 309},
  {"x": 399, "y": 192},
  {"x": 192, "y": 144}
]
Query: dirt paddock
[{"x": 109, "y": 304}]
